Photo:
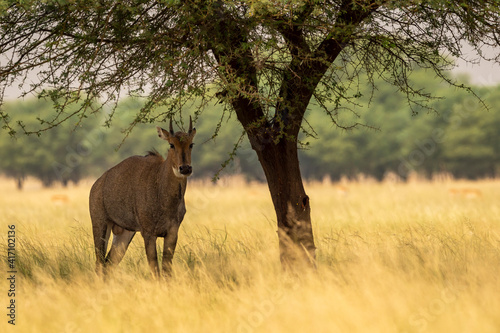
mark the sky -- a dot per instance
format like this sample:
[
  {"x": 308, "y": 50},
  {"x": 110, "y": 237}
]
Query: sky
[{"x": 482, "y": 74}]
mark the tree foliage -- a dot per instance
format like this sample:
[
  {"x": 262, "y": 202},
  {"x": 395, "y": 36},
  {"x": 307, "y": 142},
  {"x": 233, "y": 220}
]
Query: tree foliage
[{"x": 249, "y": 50}]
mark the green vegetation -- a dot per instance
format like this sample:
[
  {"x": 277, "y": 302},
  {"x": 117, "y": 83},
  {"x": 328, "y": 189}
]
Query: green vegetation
[
  {"x": 460, "y": 137},
  {"x": 456, "y": 135}
]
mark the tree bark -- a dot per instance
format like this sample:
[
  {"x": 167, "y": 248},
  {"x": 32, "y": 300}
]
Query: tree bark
[
  {"x": 276, "y": 147},
  {"x": 20, "y": 182},
  {"x": 281, "y": 166}
]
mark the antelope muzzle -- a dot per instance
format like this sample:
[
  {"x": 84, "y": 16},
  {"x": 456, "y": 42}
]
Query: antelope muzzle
[{"x": 186, "y": 170}]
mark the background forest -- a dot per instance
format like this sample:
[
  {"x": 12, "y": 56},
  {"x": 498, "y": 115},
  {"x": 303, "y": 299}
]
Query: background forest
[{"x": 378, "y": 134}]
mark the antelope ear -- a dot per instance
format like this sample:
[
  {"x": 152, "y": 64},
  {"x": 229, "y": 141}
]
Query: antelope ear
[
  {"x": 162, "y": 133},
  {"x": 192, "y": 133}
]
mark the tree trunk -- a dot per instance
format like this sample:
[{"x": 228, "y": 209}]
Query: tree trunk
[
  {"x": 20, "y": 182},
  {"x": 274, "y": 140},
  {"x": 281, "y": 167}
]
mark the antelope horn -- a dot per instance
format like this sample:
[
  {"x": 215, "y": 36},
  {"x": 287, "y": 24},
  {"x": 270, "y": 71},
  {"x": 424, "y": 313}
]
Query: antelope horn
[
  {"x": 171, "y": 128},
  {"x": 190, "y": 125}
]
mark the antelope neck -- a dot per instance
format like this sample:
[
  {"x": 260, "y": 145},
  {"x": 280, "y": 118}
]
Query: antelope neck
[{"x": 170, "y": 185}]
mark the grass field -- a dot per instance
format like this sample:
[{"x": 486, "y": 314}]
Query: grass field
[{"x": 421, "y": 257}]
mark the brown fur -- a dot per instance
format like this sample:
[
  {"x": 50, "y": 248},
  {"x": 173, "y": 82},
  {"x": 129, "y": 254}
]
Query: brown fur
[{"x": 145, "y": 194}]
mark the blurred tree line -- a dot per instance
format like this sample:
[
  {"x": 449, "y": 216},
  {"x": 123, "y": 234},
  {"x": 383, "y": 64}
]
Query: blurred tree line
[{"x": 459, "y": 136}]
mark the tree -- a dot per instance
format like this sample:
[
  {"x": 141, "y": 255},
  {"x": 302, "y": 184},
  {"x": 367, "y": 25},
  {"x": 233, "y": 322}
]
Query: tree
[
  {"x": 266, "y": 61},
  {"x": 61, "y": 155},
  {"x": 471, "y": 146}
]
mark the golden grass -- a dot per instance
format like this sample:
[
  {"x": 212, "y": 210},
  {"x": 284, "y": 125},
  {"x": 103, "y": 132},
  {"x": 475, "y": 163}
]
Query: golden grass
[{"x": 391, "y": 258}]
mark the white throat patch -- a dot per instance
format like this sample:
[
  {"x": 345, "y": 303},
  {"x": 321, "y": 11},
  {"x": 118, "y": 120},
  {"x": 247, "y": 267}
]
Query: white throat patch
[{"x": 177, "y": 173}]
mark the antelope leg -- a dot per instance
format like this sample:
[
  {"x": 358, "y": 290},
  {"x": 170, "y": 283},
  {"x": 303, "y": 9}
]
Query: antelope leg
[
  {"x": 121, "y": 241},
  {"x": 151, "y": 254},
  {"x": 169, "y": 245}
]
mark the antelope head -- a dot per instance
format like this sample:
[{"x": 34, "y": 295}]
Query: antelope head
[{"x": 179, "y": 153}]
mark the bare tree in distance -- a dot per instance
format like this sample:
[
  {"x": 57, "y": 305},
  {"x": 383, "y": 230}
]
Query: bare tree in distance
[{"x": 266, "y": 61}]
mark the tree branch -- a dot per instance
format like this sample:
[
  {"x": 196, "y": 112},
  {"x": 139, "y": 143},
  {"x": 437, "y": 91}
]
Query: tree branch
[
  {"x": 230, "y": 46},
  {"x": 296, "y": 90}
]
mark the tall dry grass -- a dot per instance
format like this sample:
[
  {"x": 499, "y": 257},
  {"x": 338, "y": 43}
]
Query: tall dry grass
[{"x": 391, "y": 258}]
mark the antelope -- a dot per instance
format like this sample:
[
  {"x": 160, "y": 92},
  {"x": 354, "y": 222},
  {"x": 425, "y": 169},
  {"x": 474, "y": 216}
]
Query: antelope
[
  {"x": 59, "y": 199},
  {"x": 342, "y": 190},
  {"x": 469, "y": 193},
  {"x": 145, "y": 194}
]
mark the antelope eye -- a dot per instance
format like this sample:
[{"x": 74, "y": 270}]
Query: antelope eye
[
  {"x": 172, "y": 146},
  {"x": 191, "y": 145}
]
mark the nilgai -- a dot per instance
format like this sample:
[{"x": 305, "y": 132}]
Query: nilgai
[{"x": 146, "y": 194}]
